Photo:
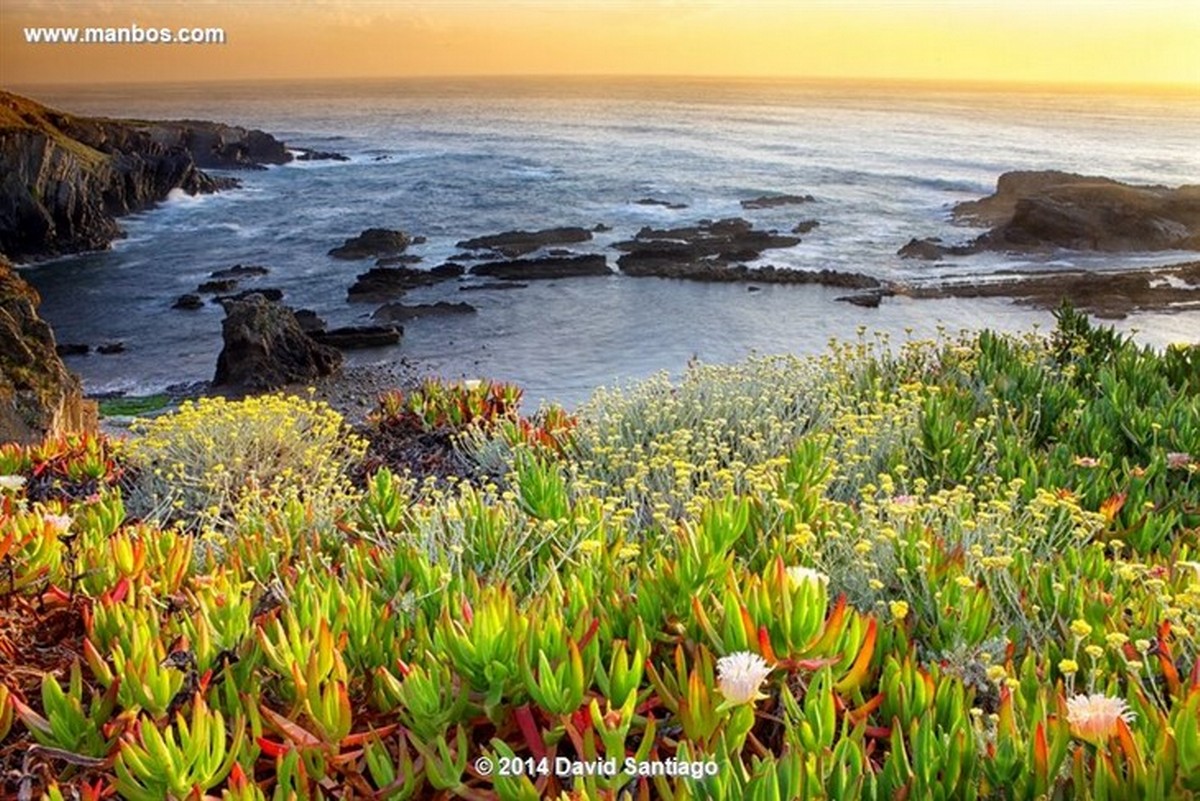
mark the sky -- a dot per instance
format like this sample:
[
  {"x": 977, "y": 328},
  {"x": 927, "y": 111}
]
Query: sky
[{"x": 1048, "y": 41}]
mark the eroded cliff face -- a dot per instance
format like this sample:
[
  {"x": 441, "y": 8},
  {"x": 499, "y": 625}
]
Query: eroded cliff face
[
  {"x": 65, "y": 179},
  {"x": 38, "y": 395}
]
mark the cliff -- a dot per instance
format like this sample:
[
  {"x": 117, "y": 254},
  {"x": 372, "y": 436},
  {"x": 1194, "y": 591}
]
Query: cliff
[
  {"x": 38, "y": 396},
  {"x": 65, "y": 179},
  {"x": 1049, "y": 209}
]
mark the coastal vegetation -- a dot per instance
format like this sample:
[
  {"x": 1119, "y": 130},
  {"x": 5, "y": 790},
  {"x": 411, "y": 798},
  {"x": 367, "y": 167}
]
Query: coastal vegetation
[{"x": 963, "y": 568}]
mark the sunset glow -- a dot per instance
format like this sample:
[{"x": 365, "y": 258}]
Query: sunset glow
[{"x": 1061, "y": 42}]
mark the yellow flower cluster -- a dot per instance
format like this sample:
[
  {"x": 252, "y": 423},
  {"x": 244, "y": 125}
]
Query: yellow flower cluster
[{"x": 216, "y": 462}]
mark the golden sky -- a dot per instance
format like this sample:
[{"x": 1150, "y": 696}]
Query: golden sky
[{"x": 1056, "y": 41}]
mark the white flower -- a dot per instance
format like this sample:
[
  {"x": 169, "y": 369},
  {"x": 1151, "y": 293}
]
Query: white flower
[
  {"x": 59, "y": 523},
  {"x": 800, "y": 576},
  {"x": 12, "y": 483},
  {"x": 1094, "y": 717},
  {"x": 740, "y": 675},
  {"x": 1178, "y": 461}
]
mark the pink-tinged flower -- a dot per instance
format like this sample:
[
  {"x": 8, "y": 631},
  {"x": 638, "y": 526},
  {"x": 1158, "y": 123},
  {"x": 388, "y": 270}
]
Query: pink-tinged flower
[
  {"x": 1087, "y": 461},
  {"x": 905, "y": 500},
  {"x": 1178, "y": 461},
  {"x": 60, "y": 524},
  {"x": 740, "y": 676},
  {"x": 1094, "y": 717}
]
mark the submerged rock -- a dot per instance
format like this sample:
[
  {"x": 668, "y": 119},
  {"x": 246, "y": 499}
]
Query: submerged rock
[
  {"x": 867, "y": 300},
  {"x": 666, "y": 204},
  {"x": 399, "y": 312},
  {"x": 359, "y": 336},
  {"x": 493, "y": 285},
  {"x": 804, "y": 226},
  {"x": 774, "y": 201},
  {"x": 265, "y": 348},
  {"x": 320, "y": 155},
  {"x": 190, "y": 302}
]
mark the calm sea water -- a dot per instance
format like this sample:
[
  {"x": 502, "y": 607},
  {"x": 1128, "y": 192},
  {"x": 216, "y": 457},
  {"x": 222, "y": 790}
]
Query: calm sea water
[{"x": 453, "y": 159}]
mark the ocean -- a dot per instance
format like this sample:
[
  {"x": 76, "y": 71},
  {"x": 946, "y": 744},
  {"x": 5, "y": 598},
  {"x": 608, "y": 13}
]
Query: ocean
[{"x": 453, "y": 159}]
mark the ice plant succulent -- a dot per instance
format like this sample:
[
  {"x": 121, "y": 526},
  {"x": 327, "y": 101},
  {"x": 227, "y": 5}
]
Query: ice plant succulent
[
  {"x": 740, "y": 677},
  {"x": 1095, "y": 717}
]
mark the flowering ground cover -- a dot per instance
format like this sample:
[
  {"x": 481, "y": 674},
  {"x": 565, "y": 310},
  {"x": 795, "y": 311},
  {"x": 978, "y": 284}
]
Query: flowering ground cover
[{"x": 925, "y": 570}]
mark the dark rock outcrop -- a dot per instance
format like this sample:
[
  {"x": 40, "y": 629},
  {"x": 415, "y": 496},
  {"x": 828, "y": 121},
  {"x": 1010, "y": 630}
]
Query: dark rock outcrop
[
  {"x": 1048, "y": 210},
  {"x": 399, "y": 312},
  {"x": 928, "y": 249},
  {"x": 65, "y": 179},
  {"x": 804, "y": 226},
  {"x": 403, "y": 258},
  {"x": 372, "y": 242},
  {"x": 519, "y": 243},
  {"x": 545, "y": 268},
  {"x": 265, "y": 348},
  {"x": 493, "y": 285},
  {"x": 867, "y": 300},
  {"x": 269, "y": 293},
  {"x": 188, "y": 302},
  {"x": 774, "y": 201},
  {"x": 359, "y": 336},
  {"x": 241, "y": 271},
  {"x": 217, "y": 285},
  {"x": 720, "y": 273},
  {"x": 385, "y": 283},
  {"x": 666, "y": 204},
  {"x": 309, "y": 320},
  {"x": 692, "y": 249},
  {"x": 73, "y": 349},
  {"x": 110, "y": 348},
  {"x": 38, "y": 395},
  {"x": 1105, "y": 293},
  {"x": 320, "y": 155}
]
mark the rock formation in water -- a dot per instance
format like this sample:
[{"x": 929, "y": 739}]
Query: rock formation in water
[
  {"x": 1046, "y": 210},
  {"x": 372, "y": 242},
  {"x": 1043, "y": 211},
  {"x": 512, "y": 244},
  {"x": 545, "y": 267},
  {"x": 38, "y": 396},
  {"x": 65, "y": 179},
  {"x": 266, "y": 348}
]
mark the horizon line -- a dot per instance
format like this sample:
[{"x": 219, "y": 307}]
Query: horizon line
[{"x": 1177, "y": 87}]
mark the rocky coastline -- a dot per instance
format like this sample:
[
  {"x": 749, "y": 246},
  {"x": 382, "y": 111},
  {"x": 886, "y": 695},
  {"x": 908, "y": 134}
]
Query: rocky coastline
[{"x": 66, "y": 180}]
